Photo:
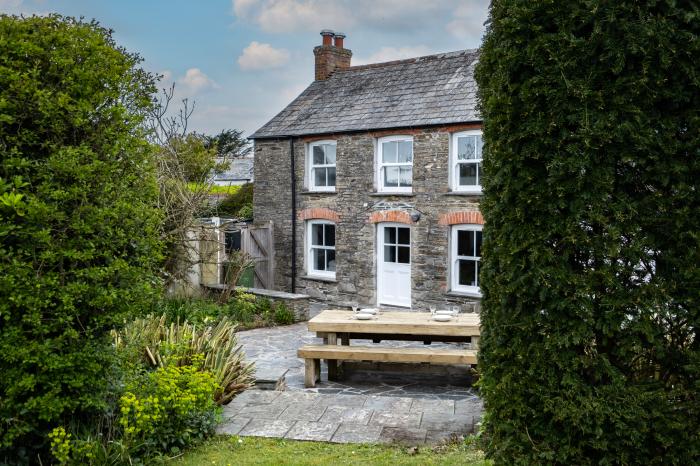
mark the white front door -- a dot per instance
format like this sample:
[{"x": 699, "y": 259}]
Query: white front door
[{"x": 394, "y": 264}]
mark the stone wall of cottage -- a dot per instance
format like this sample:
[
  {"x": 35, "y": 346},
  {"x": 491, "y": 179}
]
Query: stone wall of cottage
[{"x": 356, "y": 203}]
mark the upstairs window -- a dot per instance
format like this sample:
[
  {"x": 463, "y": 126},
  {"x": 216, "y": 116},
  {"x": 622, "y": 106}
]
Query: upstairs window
[
  {"x": 321, "y": 163},
  {"x": 395, "y": 164},
  {"x": 465, "y": 169},
  {"x": 321, "y": 249},
  {"x": 466, "y": 258}
]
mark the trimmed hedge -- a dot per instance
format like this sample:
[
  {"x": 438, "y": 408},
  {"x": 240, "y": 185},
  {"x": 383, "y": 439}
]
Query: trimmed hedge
[
  {"x": 79, "y": 247},
  {"x": 590, "y": 349}
]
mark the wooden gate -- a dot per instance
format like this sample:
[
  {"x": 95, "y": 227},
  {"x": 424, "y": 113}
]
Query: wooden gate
[{"x": 257, "y": 242}]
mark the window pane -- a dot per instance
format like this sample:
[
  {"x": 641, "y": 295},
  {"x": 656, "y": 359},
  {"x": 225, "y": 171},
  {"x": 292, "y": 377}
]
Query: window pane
[
  {"x": 318, "y": 155},
  {"x": 480, "y": 179},
  {"x": 389, "y": 235},
  {"x": 467, "y": 273},
  {"x": 389, "y": 253},
  {"x": 465, "y": 243},
  {"x": 478, "y": 271},
  {"x": 478, "y": 243},
  {"x": 391, "y": 177},
  {"x": 404, "y": 255},
  {"x": 317, "y": 235},
  {"x": 319, "y": 176},
  {"x": 232, "y": 240},
  {"x": 389, "y": 152},
  {"x": 406, "y": 176},
  {"x": 330, "y": 258},
  {"x": 405, "y": 151},
  {"x": 330, "y": 174},
  {"x": 404, "y": 235},
  {"x": 479, "y": 147},
  {"x": 330, "y": 154},
  {"x": 467, "y": 174},
  {"x": 466, "y": 148},
  {"x": 330, "y": 235},
  {"x": 319, "y": 259}
]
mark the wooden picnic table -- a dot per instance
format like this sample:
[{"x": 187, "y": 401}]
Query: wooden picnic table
[{"x": 339, "y": 325}]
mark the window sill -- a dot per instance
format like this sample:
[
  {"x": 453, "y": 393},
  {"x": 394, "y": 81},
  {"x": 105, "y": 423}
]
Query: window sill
[
  {"x": 465, "y": 294},
  {"x": 387, "y": 194},
  {"x": 464, "y": 193},
  {"x": 319, "y": 278},
  {"x": 316, "y": 192}
]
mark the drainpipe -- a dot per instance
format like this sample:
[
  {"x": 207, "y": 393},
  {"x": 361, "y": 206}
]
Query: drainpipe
[{"x": 294, "y": 216}]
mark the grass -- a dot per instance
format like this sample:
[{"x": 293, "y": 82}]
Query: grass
[
  {"x": 261, "y": 451},
  {"x": 215, "y": 189}
]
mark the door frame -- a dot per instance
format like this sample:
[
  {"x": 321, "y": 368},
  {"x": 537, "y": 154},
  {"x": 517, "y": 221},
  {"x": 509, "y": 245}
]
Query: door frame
[{"x": 379, "y": 258}]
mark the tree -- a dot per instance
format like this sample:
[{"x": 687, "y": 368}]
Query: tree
[
  {"x": 79, "y": 245},
  {"x": 590, "y": 349},
  {"x": 228, "y": 144}
]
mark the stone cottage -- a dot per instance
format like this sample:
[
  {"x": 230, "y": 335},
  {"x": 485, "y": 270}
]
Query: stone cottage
[{"x": 371, "y": 178}]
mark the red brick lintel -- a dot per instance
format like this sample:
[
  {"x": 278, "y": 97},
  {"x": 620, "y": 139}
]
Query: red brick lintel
[
  {"x": 319, "y": 213},
  {"x": 462, "y": 217}
]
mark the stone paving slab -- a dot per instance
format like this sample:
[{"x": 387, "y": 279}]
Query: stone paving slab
[
  {"x": 357, "y": 433},
  {"x": 403, "y": 435},
  {"x": 267, "y": 428},
  {"x": 318, "y": 431},
  {"x": 392, "y": 419},
  {"x": 342, "y": 414}
]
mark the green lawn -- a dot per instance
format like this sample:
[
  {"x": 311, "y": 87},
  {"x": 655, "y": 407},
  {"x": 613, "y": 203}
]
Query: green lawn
[{"x": 261, "y": 451}]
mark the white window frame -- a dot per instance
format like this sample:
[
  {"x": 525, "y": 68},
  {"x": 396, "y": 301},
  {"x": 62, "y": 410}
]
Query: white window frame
[
  {"x": 474, "y": 291},
  {"x": 310, "y": 166},
  {"x": 455, "y": 162},
  {"x": 379, "y": 166},
  {"x": 310, "y": 266}
]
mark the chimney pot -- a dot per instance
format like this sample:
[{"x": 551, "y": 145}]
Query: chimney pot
[
  {"x": 327, "y": 37},
  {"x": 338, "y": 39},
  {"x": 330, "y": 58}
]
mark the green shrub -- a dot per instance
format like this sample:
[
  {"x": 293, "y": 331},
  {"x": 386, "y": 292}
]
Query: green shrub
[
  {"x": 154, "y": 342},
  {"x": 243, "y": 307},
  {"x": 590, "y": 352},
  {"x": 283, "y": 315},
  {"x": 79, "y": 247},
  {"x": 168, "y": 409},
  {"x": 234, "y": 204}
]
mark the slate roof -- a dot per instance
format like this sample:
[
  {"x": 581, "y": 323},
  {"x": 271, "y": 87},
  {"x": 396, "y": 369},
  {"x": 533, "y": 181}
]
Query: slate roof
[
  {"x": 430, "y": 90},
  {"x": 239, "y": 169}
]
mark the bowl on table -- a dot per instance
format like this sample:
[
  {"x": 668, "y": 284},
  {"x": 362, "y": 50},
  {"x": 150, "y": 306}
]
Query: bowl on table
[
  {"x": 442, "y": 317},
  {"x": 369, "y": 310},
  {"x": 363, "y": 316}
]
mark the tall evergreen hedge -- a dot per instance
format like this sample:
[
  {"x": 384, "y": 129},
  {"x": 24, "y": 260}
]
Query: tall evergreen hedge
[
  {"x": 590, "y": 345},
  {"x": 79, "y": 246}
]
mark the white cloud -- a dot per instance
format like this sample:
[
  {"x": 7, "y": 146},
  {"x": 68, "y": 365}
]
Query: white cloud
[
  {"x": 195, "y": 81},
  {"x": 469, "y": 20},
  {"x": 9, "y": 6},
  {"x": 394, "y": 53},
  {"x": 259, "y": 56}
]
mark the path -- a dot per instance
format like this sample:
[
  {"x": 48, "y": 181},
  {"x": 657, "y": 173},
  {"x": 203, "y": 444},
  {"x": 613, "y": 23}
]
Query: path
[{"x": 366, "y": 406}]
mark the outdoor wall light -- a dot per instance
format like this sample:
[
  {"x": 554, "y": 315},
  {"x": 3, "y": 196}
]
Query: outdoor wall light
[{"x": 415, "y": 216}]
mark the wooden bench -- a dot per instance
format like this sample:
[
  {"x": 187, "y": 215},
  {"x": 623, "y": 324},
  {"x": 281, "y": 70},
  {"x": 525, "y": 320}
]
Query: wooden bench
[{"x": 313, "y": 354}]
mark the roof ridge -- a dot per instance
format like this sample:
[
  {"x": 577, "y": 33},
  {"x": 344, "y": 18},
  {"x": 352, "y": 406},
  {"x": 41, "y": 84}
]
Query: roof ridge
[{"x": 405, "y": 60}]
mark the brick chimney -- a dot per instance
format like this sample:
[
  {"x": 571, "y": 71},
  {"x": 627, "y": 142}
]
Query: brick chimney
[{"x": 331, "y": 55}]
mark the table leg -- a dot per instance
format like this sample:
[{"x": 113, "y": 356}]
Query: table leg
[
  {"x": 332, "y": 363},
  {"x": 475, "y": 343}
]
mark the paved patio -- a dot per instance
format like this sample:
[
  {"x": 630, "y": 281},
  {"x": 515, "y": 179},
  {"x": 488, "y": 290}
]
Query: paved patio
[{"x": 371, "y": 403}]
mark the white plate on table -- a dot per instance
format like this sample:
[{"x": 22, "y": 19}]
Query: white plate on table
[
  {"x": 369, "y": 310},
  {"x": 445, "y": 313},
  {"x": 442, "y": 318},
  {"x": 363, "y": 316}
]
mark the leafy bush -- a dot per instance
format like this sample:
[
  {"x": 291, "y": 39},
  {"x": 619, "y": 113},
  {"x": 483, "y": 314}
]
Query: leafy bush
[
  {"x": 590, "y": 352},
  {"x": 79, "y": 247},
  {"x": 239, "y": 204},
  {"x": 283, "y": 315},
  {"x": 154, "y": 342},
  {"x": 168, "y": 409}
]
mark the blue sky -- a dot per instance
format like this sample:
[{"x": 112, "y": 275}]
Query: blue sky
[{"x": 242, "y": 61}]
